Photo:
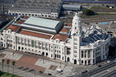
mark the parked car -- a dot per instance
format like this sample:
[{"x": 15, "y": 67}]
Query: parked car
[
  {"x": 99, "y": 65},
  {"x": 49, "y": 74}
]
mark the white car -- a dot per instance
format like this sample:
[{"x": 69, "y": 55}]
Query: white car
[{"x": 108, "y": 61}]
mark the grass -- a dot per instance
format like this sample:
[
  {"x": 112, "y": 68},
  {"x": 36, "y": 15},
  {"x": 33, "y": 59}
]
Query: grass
[
  {"x": 102, "y": 9},
  {"x": 4, "y": 74}
]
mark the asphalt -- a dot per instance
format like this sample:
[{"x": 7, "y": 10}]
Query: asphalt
[
  {"x": 97, "y": 70},
  {"x": 111, "y": 74}
]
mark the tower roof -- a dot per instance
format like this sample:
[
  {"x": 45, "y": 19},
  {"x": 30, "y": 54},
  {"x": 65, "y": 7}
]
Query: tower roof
[{"x": 76, "y": 24}]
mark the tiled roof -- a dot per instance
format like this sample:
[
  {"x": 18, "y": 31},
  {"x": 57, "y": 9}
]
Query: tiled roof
[
  {"x": 65, "y": 30},
  {"x": 62, "y": 37},
  {"x": 13, "y": 28},
  {"x": 69, "y": 24},
  {"x": 25, "y": 17},
  {"x": 35, "y": 34},
  {"x": 20, "y": 21}
]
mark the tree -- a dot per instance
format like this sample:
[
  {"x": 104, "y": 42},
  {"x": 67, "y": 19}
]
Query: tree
[
  {"x": 88, "y": 12},
  {"x": 8, "y": 61},
  {"x": 2, "y": 64},
  {"x": 13, "y": 63},
  {"x": 107, "y": 6}
]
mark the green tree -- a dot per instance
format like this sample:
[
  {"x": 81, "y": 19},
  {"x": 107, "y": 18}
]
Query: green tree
[
  {"x": 8, "y": 62},
  {"x": 2, "y": 64},
  {"x": 13, "y": 63},
  {"x": 107, "y": 6},
  {"x": 88, "y": 12}
]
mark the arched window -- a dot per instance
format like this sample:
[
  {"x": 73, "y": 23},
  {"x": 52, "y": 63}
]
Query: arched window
[
  {"x": 75, "y": 61},
  {"x": 68, "y": 59}
]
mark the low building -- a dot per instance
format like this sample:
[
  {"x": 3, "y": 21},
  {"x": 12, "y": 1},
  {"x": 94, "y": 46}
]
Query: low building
[
  {"x": 70, "y": 7},
  {"x": 37, "y": 8},
  {"x": 69, "y": 43}
]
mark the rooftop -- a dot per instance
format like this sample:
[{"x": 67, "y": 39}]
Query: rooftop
[
  {"x": 20, "y": 21},
  {"x": 62, "y": 37},
  {"x": 92, "y": 35},
  {"x": 13, "y": 28},
  {"x": 42, "y": 22},
  {"x": 69, "y": 25},
  {"x": 25, "y": 17},
  {"x": 65, "y": 30},
  {"x": 40, "y": 35},
  {"x": 71, "y": 7},
  {"x": 37, "y": 6}
]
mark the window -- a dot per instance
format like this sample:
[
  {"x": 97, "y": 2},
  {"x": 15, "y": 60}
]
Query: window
[
  {"x": 82, "y": 61},
  {"x": 88, "y": 53},
  {"x": 59, "y": 56},
  {"x": 33, "y": 43},
  {"x": 62, "y": 58},
  {"x": 82, "y": 54},
  {"x": 85, "y": 54}
]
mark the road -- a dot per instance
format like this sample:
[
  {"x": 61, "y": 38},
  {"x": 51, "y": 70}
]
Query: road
[{"x": 97, "y": 70}]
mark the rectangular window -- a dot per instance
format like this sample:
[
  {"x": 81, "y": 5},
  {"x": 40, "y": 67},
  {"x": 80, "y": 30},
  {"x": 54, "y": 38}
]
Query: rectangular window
[
  {"x": 33, "y": 43},
  {"x": 62, "y": 58}
]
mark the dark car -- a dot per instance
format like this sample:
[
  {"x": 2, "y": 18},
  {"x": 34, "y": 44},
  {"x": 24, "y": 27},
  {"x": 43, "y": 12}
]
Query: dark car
[
  {"x": 20, "y": 68},
  {"x": 25, "y": 69},
  {"x": 49, "y": 74},
  {"x": 31, "y": 70},
  {"x": 40, "y": 72},
  {"x": 99, "y": 65},
  {"x": 84, "y": 71}
]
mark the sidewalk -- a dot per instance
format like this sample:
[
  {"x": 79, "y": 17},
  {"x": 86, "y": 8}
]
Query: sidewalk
[{"x": 20, "y": 72}]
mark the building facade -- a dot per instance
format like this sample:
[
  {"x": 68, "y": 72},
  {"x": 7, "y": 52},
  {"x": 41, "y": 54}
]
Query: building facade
[{"x": 70, "y": 43}]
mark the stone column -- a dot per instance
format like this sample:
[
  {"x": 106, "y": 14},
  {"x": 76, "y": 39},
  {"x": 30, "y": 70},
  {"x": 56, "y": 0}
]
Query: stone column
[
  {"x": 83, "y": 54},
  {"x": 87, "y": 54},
  {"x": 86, "y": 62},
  {"x": 91, "y": 56}
]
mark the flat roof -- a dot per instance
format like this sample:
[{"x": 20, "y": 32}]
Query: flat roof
[
  {"x": 42, "y": 22},
  {"x": 73, "y": 7}
]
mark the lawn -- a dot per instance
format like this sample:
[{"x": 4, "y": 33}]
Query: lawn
[{"x": 4, "y": 74}]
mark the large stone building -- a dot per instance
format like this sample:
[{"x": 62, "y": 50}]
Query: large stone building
[{"x": 56, "y": 40}]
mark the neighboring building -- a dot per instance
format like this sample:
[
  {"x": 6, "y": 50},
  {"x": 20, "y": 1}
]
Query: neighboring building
[
  {"x": 71, "y": 7},
  {"x": 5, "y": 5},
  {"x": 37, "y": 8},
  {"x": 91, "y": 1},
  {"x": 57, "y": 40}
]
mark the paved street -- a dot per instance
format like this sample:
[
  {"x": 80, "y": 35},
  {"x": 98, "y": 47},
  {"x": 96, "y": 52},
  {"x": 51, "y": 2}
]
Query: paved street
[{"x": 103, "y": 71}]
